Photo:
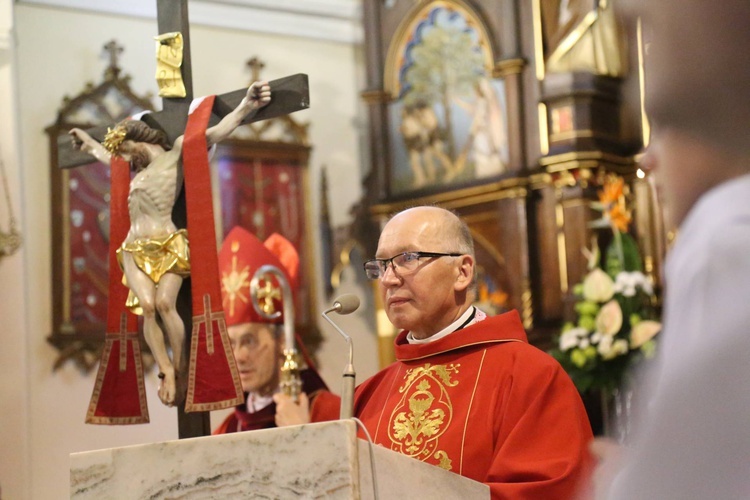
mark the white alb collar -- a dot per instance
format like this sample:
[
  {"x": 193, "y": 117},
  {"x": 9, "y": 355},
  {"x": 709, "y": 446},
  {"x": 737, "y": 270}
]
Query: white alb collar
[
  {"x": 445, "y": 331},
  {"x": 256, "y": 403}
]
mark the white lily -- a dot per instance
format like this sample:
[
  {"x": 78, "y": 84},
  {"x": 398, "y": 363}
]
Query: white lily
[
  {"x": 609, "y": 319},
  {"x": 627, "y": 283},
  {"x": 642, "y": 332},
  {"x": 598, "y": 286},
  {"x": 572, "y": 338}
]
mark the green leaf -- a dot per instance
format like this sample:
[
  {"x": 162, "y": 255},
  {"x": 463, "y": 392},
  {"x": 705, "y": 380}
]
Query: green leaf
[
  {"x": 578, "y": 357},
  {"x": 587, "y": 307},
  {"x": 631, "y": 253},
  {"x": 587, "y": 322}
]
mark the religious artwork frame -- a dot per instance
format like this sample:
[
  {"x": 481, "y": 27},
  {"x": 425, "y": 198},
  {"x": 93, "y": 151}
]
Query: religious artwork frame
[
  {"x": 80, "y": 219},
  {"x": 448, "y": 118},
  {"x": 262, "y": 173}
]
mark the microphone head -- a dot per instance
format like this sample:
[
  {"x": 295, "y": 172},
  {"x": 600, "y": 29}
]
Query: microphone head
[{"x": 346, "y": 304}]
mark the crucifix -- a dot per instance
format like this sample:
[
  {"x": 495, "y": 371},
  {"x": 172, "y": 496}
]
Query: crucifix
[{"x": 288, "y": 95}]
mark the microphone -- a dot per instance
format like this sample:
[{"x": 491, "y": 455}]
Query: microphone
[{"x": 345, "y": 304}]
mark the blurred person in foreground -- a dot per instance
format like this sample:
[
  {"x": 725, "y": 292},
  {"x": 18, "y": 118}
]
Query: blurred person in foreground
[
  {"x": 258, "y": 343},
  {"x": 692, "y": 439}
]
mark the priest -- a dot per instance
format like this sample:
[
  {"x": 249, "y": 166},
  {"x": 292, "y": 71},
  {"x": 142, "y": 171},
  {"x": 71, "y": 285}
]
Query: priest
[{"x": 467, "y": 392}]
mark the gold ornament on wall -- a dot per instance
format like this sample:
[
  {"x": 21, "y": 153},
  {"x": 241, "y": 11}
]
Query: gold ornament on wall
[{"x": 10, "y": 242}]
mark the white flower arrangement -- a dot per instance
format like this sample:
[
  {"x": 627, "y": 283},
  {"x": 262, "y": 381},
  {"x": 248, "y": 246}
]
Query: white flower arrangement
[
  {"x": 616, "y": 322},
  {"x": 603, "y": 334}
]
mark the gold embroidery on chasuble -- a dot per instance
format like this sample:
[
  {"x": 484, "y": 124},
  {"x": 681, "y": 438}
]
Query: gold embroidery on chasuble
[{"x": 424, "y": 413}]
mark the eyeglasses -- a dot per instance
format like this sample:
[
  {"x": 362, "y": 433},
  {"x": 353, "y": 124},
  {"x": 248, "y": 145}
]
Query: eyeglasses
[{"x": 402, "y": 263}]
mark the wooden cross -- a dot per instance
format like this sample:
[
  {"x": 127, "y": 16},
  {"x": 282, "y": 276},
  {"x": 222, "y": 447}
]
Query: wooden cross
[
  {"x": 113, "y": 50},
  {"x": 256, "y": 66},
  {"x": 289, "y": 94}
]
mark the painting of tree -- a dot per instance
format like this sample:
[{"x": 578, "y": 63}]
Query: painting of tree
[
  {"x": 450, "y": 113},
  {"x": 447, "y": 65}
]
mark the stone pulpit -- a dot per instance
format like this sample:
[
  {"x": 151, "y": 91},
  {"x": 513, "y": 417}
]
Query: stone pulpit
[{"x": 323, "y": 460}]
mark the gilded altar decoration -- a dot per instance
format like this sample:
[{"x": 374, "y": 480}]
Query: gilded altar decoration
[
  {"x": 615, "y": 325},
  {"x": 168, "y": 63},
  {"x": 424, "y": 413},
  {"x": 580, "y": 38}
]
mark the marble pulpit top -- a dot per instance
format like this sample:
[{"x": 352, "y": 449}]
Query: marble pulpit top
[{"x": 323, "y": 460}]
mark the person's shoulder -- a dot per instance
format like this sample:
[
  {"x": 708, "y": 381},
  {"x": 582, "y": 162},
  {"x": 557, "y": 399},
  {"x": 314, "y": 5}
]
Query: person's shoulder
[
  {"x": 718, "y": 217},
  {"x": 521, "y": 354},
  {"x": 715, "y": 233},
  {"x": 717, "y": 241},
  {"x": 324, "y": 406},
  {"x": 524, "y": 365}
]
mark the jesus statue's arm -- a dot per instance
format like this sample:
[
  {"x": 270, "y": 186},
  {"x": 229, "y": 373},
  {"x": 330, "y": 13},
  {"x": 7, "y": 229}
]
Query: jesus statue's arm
[
  {"x": 258, "y": 95},
  {"x": 89, "y": 145}
]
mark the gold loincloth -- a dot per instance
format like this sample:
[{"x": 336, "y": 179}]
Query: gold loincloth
[{"x": 156, "y": 257}]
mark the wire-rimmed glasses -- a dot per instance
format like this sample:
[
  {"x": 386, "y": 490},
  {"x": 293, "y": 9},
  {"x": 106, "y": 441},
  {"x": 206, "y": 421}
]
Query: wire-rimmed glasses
[{"x": 402, "y": 263}]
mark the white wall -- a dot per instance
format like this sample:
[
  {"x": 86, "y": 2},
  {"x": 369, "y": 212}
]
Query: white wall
[
  {"x": 14, "y": 390},
  {"x": 58, "y": 51}
]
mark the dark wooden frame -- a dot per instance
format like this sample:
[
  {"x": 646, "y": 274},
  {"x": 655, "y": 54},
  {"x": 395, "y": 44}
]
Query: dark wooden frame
[
  {"x": 384, "y": 30},
  {"x": 249, "y": 145},
  {"x": 79, "y": 342}
]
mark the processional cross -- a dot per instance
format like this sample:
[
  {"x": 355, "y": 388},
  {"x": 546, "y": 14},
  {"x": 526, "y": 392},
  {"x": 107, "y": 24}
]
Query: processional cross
[{"x": 289, "y": 94}]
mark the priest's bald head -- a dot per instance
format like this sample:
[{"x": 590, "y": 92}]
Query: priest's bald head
[{"x": 425, "y": 269}]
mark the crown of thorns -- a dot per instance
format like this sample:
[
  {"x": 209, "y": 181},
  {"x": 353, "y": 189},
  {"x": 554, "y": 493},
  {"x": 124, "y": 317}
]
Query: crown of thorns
[{"x": 114, "y": 138}]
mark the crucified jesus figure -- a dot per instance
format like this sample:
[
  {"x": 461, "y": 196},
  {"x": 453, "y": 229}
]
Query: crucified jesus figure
[{"x": 154, "y": 256}]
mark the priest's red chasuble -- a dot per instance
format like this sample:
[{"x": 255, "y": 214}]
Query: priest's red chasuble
[{"x": 484, "y": 404}]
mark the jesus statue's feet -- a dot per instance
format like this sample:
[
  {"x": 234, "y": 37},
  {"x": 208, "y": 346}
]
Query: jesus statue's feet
[{"x": 167, "y": 388}]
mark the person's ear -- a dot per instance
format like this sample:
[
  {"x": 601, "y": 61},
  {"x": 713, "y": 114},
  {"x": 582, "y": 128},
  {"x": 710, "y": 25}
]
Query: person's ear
[{"x": 465, "y": 273}]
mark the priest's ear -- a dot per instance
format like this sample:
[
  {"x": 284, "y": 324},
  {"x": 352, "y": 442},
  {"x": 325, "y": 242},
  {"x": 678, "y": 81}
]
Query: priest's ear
[{"x": 465, "y": 275}]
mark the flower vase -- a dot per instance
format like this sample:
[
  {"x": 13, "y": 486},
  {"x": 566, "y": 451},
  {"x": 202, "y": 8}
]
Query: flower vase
[{"x": 617, "y": 413}]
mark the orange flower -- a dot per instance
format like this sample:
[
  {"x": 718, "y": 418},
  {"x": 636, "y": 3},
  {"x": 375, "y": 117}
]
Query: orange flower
[
  {"x": 619, "y": 217},
  {"x": 498, "y": 298},
  {"x": 612, "y": 191},
  {"x": 613, "y": 203}
]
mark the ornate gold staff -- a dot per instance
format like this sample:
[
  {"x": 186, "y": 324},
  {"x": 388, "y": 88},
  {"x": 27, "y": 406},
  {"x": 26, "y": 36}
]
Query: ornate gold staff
[{"x": 291, "y": 384}]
